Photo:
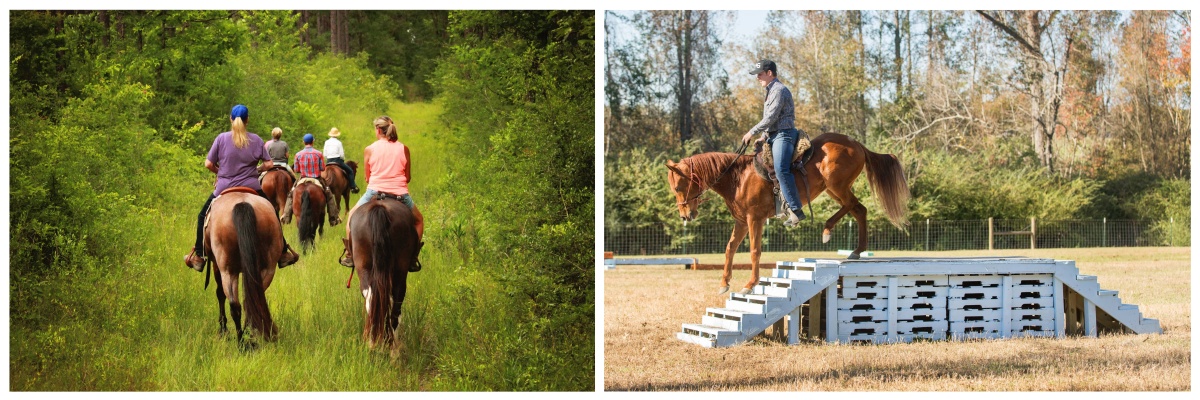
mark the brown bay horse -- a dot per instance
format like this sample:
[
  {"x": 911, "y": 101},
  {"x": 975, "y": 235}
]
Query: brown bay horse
[
  {"x": 275, "y": 184},
  {"x": 384, "y": 238},
  {"x": 308, "y": 204},
  {"x": 243, "y": 240},
  {"x": 836, "y": 162},
  {"x": 339, "y": 183}
]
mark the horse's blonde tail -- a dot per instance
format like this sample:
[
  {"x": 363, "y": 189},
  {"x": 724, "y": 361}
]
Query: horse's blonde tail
[{"x": 890, "y": 188}]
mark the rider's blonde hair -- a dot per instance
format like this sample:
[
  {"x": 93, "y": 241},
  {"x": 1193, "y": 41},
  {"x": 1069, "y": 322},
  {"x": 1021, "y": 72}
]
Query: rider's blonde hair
[
  {"x": 276, "y": 133},
  {"x": 240, "y": 139},
  {"x": 385, "y": 124}
]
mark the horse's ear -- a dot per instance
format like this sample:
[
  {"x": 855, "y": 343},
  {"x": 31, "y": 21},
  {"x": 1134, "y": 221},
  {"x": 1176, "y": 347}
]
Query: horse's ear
[{"x": 671, "y": 166}]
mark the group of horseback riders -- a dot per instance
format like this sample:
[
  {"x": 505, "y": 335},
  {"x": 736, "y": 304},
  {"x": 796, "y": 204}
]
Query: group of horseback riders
[{"x": 239, "y": 158}]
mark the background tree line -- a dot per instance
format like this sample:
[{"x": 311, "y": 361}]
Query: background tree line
[
  {"x": 113, "y": 111},
  {"x": 1008, "y": 114}
]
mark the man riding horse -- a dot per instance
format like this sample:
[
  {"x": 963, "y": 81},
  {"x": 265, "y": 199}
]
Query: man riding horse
[
  {"x": 779, "y": 127},
  {"x": 335, "y": 153},
  {"x": 309, "y": 164}
]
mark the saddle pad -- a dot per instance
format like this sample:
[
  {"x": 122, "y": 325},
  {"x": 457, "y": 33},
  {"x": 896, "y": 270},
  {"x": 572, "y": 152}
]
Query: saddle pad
[
  {"x": 237, "y": 189},
  {"x": 314, "y": 181}
]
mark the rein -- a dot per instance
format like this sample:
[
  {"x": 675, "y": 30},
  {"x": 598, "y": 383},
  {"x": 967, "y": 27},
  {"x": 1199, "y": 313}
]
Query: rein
[{"x": 696, "y": 178}]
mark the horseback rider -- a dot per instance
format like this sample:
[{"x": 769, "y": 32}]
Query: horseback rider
[
  {"x": 388, "y": 171},
  {"x": 335, "y": 154},
  {"x": 309, "y": 163},
  {"x": 779, "y": 130},
  {"x": 234, "y": 156},
  {"x": 278, "y": 150}
]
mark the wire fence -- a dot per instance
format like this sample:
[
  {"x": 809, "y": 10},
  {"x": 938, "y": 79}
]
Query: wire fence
[{"x": 711, "y": 237}]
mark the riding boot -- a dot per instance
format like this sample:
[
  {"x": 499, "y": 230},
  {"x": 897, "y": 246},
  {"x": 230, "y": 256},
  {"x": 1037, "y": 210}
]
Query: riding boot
[
  {"x": 416, "y": 265},
  {"x": 794, "y": 217},
  {"x": 331, "y": 205},
  {"x": 347, "y": 256},
  {"x": 194, "y": 261},
  {"x": 287, "y": 210}
]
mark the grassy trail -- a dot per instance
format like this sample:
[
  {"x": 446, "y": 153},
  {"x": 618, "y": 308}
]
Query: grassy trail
[{"x": 320, "y": 345}]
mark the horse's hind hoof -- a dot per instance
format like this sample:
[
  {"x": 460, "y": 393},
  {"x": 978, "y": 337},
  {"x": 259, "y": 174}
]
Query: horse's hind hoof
[
  {"x": 825, "y": 238},
  {"x": 744, "y": 291},
  {"x": 724, "y": 289},
  {"x": 852, "y": 256}
]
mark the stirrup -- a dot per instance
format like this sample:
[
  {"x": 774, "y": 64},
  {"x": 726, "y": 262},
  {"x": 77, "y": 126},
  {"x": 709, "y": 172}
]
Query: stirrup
[
  {"x": 416, "y": 265},
  {"x": 347, "y": 259}
]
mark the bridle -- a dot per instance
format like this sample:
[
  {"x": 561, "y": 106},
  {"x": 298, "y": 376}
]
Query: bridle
[{"x": 696, "y": 179}]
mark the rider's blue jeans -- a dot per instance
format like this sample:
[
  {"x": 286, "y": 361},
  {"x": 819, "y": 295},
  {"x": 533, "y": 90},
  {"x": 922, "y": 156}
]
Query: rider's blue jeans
[{"x": 783, "y": 147}]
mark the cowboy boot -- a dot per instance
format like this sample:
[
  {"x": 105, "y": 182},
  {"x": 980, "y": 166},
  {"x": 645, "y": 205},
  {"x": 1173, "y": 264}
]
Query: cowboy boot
[
  {"x": 347, "y": 256},
  {"x": 194, "y": 261},
  {"x": 416, "y": 265},
  {"x": 332, "y": 208},
  {"x": 794, "y": 217},
  {"x": 287, "y": 210}
]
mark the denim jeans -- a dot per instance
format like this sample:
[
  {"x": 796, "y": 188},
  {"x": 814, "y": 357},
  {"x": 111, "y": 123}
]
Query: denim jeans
[
  {"x": 783, "y": 147},
  {"x": 345, "y": 168},
  {"x": 367, "y": 195}
]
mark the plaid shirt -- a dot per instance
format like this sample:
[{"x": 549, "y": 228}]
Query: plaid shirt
[
  {"x": 309, "y": 162},
  {"x": 779, "y": 112}
]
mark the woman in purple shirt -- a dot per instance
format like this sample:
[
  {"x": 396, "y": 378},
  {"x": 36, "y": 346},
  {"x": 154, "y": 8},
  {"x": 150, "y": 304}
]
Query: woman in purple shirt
[{"x": 235, "y": 157}]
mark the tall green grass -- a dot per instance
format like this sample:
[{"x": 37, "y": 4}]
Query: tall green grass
[{"x": 151, "y": 325}]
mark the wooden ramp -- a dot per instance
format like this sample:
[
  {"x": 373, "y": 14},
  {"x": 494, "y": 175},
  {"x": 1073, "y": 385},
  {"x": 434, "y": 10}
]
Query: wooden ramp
[{"x": 887, "y": 300}]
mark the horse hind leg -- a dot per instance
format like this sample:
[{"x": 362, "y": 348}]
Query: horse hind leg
[
  {"x": 221, "y": 321},
  {"x": 830, "y": 223},
  {"x": 860, "y": 214}
]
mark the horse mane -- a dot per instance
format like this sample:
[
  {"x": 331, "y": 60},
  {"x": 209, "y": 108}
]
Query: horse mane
[{"x": 709, "y": 166}]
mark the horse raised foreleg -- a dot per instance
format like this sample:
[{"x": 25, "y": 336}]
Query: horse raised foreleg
[
  {"x": 735, "y": 240},
  {"x": 756, "y": 233}
]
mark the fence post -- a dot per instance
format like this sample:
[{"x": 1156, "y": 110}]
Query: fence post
[
  {"x": 1172, "y": 235},
  {"x": 848, "y": 233},
  {"x": 926, "y": 234},
  {"x": 991, "y": 238},
  {"x": 1104, "y": 235},
  {"x": 1032, "y": 233}
]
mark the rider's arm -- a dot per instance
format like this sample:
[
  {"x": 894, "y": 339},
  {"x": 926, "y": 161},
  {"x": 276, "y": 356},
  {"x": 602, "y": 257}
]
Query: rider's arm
[
  {"x": 772, "y": 109},
  {"x": 408, "y": 169},
  {"x": 209, "y": 164},
  {"x": 367, "y": 165}
]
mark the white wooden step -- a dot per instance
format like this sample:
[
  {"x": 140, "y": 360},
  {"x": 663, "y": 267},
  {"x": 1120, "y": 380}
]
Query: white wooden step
[{"x": 1108, "y": 293}]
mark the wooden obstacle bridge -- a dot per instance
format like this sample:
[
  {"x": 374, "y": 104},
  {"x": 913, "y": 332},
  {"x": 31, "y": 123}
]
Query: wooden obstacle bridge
[{"x": 888, "y": 300}]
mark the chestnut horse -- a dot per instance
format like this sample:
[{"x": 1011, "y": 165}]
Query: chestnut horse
[
  {"x": 384, "y": 239},
  {"x": 836, "y": 161},
  {"x": 339, "y": 183},
  {"x": 243, "y": 239},
  {"x": 275, "y": 184},
  {"x": 308, "y": 203}
]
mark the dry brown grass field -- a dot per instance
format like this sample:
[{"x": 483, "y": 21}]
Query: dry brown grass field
[{"x": 645, "y": 305}]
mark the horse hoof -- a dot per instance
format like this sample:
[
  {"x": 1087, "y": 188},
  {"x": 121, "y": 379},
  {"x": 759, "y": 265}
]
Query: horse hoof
[
  {"x": 744, "y": 291},
  {"x": 852, "y": 256},
  {"x": 723, "y": 290},
  {"x": 825, "y": 238}
]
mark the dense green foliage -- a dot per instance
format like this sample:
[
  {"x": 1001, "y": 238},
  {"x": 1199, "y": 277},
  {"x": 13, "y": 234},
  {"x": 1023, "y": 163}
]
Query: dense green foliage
[
  {"x": 517, "y": 89},
  {"x": 108, "y": 139}
]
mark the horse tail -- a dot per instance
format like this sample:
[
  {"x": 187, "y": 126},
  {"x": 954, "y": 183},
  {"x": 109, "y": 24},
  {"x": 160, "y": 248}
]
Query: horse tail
[
  {"x": 383, "y": 261},
  {"x": 258, "y": 316},
  {"x": 890, "y": 188},
  {"x": 307, "y": 222}
]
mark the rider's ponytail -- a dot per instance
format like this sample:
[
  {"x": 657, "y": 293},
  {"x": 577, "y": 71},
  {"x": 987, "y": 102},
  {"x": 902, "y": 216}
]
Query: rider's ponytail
[
  {"x": 385, "y": 125},
  {"x": 240, "y": 139}
]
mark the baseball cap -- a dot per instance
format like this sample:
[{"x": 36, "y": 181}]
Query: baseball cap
[
  {"x": 308, "y": 138},
  {"x": 764, "y": 65},
  {"x": 240, "y": 111}
]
